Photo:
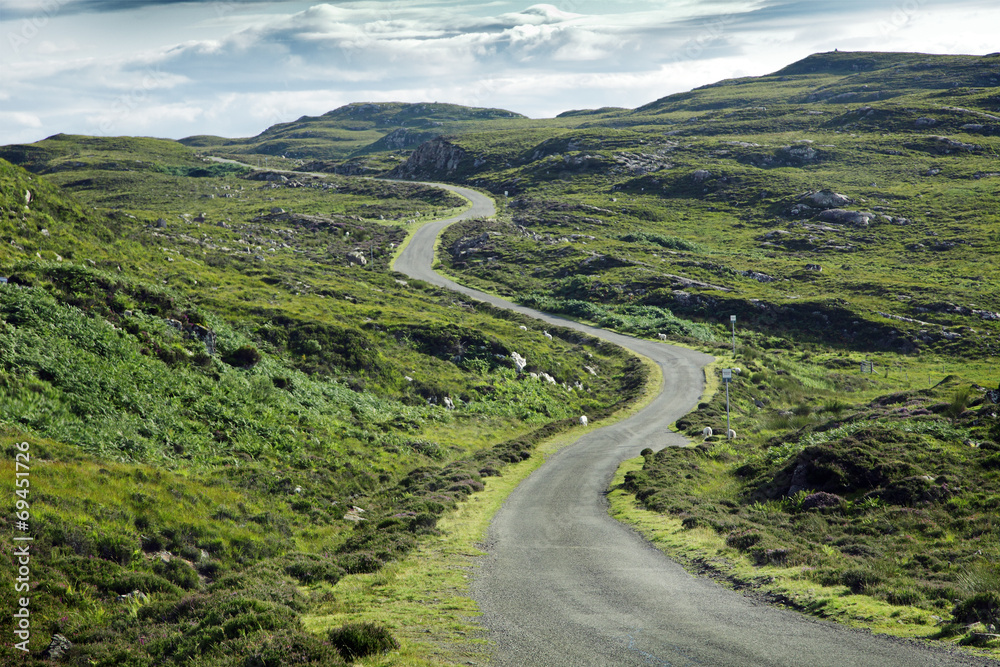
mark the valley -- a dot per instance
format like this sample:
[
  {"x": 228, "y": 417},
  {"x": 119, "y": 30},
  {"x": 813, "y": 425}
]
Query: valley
[{"x": 258, "y": 409}]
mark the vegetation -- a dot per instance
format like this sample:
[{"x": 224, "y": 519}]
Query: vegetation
[
  {"x": 878, "y": 512},
  {"x": 238, "y": 412},
  {"x": 218, "y": 435}
]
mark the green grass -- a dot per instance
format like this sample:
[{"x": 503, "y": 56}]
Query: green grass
[
  {"x": 859, "y": 498},
  {"x": 664, "y": 219},
  {"x": 216, "y": 482}
]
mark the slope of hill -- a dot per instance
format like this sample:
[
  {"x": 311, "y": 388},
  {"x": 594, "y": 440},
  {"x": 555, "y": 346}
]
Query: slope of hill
[
  {"x": 799, "y": 201},
  {"x": 844, "y": 208},
  {"x": 357, "y": 128},
  {"x": 203, "y": 402}
]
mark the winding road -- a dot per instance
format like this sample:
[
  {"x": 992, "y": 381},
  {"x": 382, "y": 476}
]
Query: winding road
[{"x": 565, "y": 584}]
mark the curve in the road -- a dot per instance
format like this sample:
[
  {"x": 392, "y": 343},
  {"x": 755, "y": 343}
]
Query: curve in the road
[{"x": 565, "y": 584}]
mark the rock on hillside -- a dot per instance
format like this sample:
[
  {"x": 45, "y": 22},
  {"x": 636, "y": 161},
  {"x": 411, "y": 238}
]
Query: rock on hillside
[
  {"x": 845, "y": 217},
  {"x": 826, "y": 199},
  {"x": 437, "y": 158}
]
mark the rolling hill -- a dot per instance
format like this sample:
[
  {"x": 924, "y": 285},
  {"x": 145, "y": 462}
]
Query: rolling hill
[{"x": 216, "y": 369}]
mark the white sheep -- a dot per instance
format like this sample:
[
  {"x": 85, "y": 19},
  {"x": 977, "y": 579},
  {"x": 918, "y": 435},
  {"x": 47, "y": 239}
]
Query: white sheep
[
  {"x": 519, "y": 361},
  {"x": 523, "y": 328},
  {"x": 583, "y": 420},
  {"x": 707, "y": 431},
  {"x": 547, "y": 335},
  {"x": 663, "y": 336},
  {"x": 732, "y": 434}
]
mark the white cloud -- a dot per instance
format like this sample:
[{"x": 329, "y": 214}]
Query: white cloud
[
  {"x": 19, "y": 119},
  {"x": 190, "y": 69}
]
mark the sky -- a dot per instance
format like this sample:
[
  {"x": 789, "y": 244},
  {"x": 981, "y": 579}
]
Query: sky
[{"x": 169, "y": 68}]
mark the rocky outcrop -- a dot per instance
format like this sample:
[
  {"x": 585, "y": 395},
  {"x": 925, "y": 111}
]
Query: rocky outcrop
[
  {"x": 403, "y": 138},
  {"x": 437, "y": 158},
  {"x": 844, "y": 217},
  {"x": 469, "y": 245},
  {"x": 826, "y": 199},
  {"x": 939, "y": 145}
]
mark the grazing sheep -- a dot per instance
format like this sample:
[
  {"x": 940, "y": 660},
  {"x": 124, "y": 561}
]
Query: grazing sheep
[
  {"x": 523, "y": 328},
  {"x": 732, "y": 434},
  {"x": 448, "y": 403},
  {"x": 547, "y": 335},
  {"x": 663, "y": 336},
  {"x": 707, "y": 431},
  {"x": 583, "y": 420},
  {"x": 519, "y": 361}
]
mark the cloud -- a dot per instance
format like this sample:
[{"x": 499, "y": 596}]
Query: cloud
[
  {"x": 29, "y": 8},
  {"x": 232, "y": 67}
]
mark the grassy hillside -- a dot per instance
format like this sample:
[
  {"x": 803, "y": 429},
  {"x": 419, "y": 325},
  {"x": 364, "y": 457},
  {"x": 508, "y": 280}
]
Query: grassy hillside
[
  {"x": 844, "y": 209},
  {"x": 866, "y": 224},
  {"x": 220, "y": 365},
  {"x": 227, "y": 406},
  {"x": 356, "y": 130}
]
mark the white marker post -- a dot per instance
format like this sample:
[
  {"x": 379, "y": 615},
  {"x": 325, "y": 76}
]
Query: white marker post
[
  {"x": 727, "y": 377},
  {"x": 732, "y": 320}
]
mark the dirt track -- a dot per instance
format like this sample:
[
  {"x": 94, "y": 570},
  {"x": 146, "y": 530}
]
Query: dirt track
[{"x": 565, "y": 584}]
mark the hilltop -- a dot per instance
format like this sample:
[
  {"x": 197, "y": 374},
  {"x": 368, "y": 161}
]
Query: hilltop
[{"x": 357, "y": 129}]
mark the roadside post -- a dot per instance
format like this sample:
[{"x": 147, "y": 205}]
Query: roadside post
[
  {"x": 727, "y": 377},
  {"x": 732, "y": 320}
]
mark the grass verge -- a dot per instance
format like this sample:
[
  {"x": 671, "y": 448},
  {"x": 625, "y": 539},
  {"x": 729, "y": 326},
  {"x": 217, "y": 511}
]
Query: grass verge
[{"x": 424, "y": 599}]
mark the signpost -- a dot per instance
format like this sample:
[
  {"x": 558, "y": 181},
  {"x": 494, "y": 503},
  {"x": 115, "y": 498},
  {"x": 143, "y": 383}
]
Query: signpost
[
  {"x": 727, "y": 377},
  {"x": 732, "y": 320}
]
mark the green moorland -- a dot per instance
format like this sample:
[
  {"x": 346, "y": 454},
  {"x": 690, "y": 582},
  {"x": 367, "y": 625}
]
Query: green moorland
[
  {"x": 843, "y": 208},
  {"x": 226, "y": 402}
]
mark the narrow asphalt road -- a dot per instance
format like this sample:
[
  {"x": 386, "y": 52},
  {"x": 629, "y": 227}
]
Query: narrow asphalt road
[{"x": 565, "y": 584}]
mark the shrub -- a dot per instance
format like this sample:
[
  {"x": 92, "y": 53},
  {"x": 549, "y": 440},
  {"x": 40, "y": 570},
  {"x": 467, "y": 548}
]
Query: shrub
[
  {"x": 116, "y": 548},
  {"x": 309, "y": 569},
  {"x": 357, "y": 640},
  {"x": 859, "y": 580},
  {"x": 361, "y": 563},
  {"x": 147, "y": 582},
  {"x": 903, "y": 596},
  {"x": 244, "y": 357},
  {"x": 299, "y": 648},
  {"x": 743, "y": 539},
  {"x": 177, "y": 572},
  {"x": 821, "y": 500},
  {"x": 980, "y": 608}
]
